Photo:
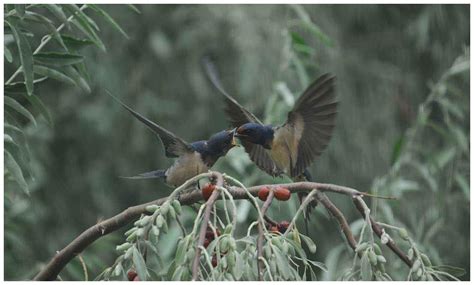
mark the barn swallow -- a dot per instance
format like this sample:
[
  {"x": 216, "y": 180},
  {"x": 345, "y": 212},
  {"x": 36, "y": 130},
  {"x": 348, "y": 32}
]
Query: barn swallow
[
  {"x": 191, "y": 158},
  {"x": 289, "y": 148}
]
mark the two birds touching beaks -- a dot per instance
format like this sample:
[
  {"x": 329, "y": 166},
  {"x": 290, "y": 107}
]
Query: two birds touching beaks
[{"x": 288, "y": 149}]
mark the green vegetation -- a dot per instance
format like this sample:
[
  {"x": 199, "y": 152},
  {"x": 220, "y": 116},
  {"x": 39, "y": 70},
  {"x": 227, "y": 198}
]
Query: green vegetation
[{"x": 402, "y": 130}]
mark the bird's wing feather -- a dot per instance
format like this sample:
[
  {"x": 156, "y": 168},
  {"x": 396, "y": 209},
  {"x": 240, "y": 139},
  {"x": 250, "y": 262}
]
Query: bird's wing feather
[
  {"x": 316, "y": 111},
  {"x": 238, "y": 116},
  {"x": 174, "y": 146}
]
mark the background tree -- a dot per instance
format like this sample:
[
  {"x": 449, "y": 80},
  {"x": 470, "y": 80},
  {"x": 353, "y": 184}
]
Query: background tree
[{"x": 384, "y": 56}]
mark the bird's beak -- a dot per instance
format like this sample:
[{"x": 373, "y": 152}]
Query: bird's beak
[{"x": 234, "y": 141}]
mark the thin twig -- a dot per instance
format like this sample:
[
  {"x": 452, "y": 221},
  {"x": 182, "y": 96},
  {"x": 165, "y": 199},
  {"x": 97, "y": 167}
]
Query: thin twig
[
  {"x": 202, "y": 233},
  {"x": 378, "y": 230},
  {"x": 301, "y": 209},
  {"x": 337, "y": 214},
  {"x": 261, "y": 225}
]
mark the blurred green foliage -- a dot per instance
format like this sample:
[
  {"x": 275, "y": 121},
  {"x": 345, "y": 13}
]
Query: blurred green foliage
[{"x": 399, "y": 103}]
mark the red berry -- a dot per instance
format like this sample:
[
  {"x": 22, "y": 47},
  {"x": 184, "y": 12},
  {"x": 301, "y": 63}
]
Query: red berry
[
  {"x": 263, "y": 193},
  {"x": 282, "y": 194},
  {"x": 206, "y": 243},
  {"x": 214, "y": 261},
  {"x": 283, "y": 226},
  {"x": 131, "y": 275},
  {"x": 136, "y": 278},
  {"x": 207, "y": 190}
]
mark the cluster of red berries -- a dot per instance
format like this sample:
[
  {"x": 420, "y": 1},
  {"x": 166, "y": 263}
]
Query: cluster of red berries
[
  {"x": 278, "y": 228},
  {"x": 210, "y": 236},
  {"x": 281, "y": 193},
  {"x": 132, "y": 275}
]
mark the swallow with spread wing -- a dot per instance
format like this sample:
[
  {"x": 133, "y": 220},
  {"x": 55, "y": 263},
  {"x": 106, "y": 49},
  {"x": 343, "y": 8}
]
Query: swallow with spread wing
[
  {"x": 290, "y": 148},
  {"x": 191, "y": 158}
]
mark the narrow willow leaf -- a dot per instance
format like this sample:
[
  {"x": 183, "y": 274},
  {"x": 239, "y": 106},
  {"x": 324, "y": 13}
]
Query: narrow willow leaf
[
  {"x": 57, "y": 58},
  {"x": 26, "y": 56},
  {"x": 109, "y": 19},
  {"x": 309, "y": 242},
  {"x": 8, "y": 139},
  {"x": 12, "y": 127},
  {"x": 75, "y": 43},
  {"x": 455, "y": 271},
  {"x": 39, "y": 105},
  {"x": 20, "y": 87},
  {"x": 8, "y": 54},
  {"x": 71, "y": 72},
  {"x": 365, "y": 267},
  {"x": 82, "y": 24},
  {"x": 139, "y": 264},
  {"x": 52, "y": 73},
  {"x": 20, "y": 9},
  {"x": 58, "y": 12},
  {"x": 80, "y": 12},
  {"x": 14, "y": 169},
  {"x": 12, "y": 103},
  {"x": 49, "y": 25},
  {"x": 282, "y": 263},
  {"x": 135, "y": 9}
]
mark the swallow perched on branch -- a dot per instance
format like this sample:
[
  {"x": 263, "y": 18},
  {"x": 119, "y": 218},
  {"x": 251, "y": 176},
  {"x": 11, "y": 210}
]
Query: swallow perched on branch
[
  {"x": 289, "y": 148},
  {"x": 191, "y": 158}
]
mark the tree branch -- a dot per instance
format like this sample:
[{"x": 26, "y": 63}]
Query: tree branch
[
  {"x": 261, "y": 226},
  {"x": 205, "y": 220},
  {"x": 63, "y": 257},
  {"x": 337, "y": 214},
  {"x": 378, "y": 230}
]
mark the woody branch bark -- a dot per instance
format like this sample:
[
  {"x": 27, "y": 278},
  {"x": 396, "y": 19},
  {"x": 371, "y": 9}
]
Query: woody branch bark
[{"x": 86, "y": 238}]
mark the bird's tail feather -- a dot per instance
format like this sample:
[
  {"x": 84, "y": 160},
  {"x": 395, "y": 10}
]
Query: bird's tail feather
[{"x": 148, "y": 175}]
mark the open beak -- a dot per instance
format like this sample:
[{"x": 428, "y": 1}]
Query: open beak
[{"x": 234, "y": 141}]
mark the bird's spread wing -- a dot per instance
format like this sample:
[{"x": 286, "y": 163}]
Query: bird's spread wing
[
  {"x": 174, "y": 146},
  {"x": 238, "y": 116},
  {"x": 314, "y": 115}
]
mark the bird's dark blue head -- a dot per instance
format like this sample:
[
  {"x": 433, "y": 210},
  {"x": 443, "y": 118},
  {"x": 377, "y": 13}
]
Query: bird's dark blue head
[
  {"x": 256, "y": 133},
  {"x": 221, "y": 142},
  {"x": 216, "y": 146}
]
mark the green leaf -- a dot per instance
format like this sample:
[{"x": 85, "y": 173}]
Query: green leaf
[
  {"x": 71, "y": 72},
  {"x": 49, "y": 25},
  {"x": 14, "y": 169},
  {"x": 8, "y": 139},
  {"x": 20, "y": 9},
  {"x": 8, "y": 54},
  {"x": 80, "y": 13},
  {"x": 12, "y": 127},
  {"x": 52, "y": 73},
  {"x": 282, "y": 263},
  {"x": 135, "y": 9},
  {"x": 75, "y": 43},
  {"x": 38, "y": 104},
  {"x": 365, "y": 267},
  {"x": 57, "y": 58},
  {"x": 455, "y": 271},
  {"x": 26, "y": 56},
  {"x": 397, "y": 149},
  {"x": 82, "y": 24},
  {"x": 139, "y": 264},
  {"x": 12, "y": 103},
  {"x": 309, "y": 242},
  {"x": 58, "y": 12},
  {"x": 109, "y": 19},
  {"x": 20, "y": 87},
  {"x": 463, "y": 184}
]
